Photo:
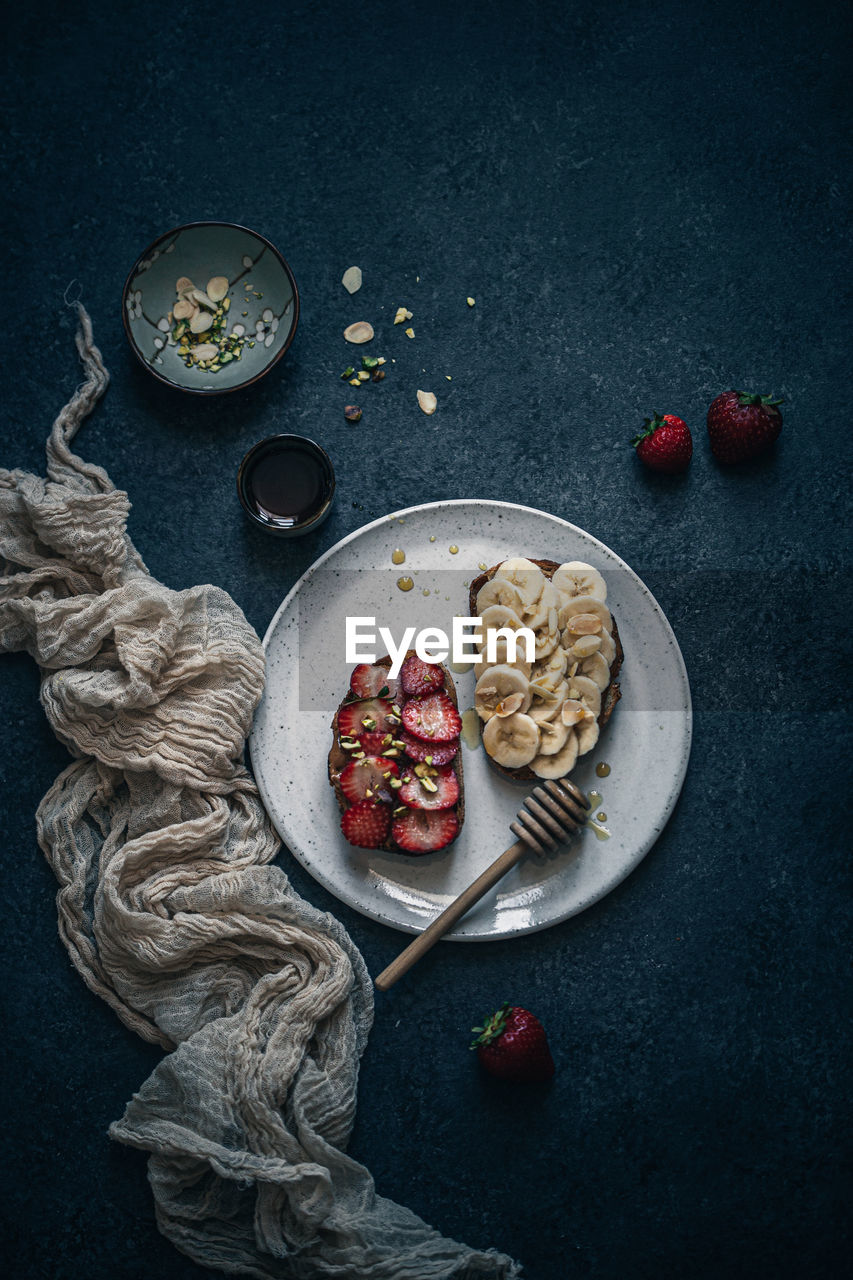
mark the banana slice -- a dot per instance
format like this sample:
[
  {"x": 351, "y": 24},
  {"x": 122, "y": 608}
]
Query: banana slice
[
  {"x": 536, "y": 615},
  {"x": 501, "y": 592},
  {"x": 525, "y": 575},
  {"x": 582, "y": 689},
  {"x": 547, "y": 636},
  {"x": 501, "y": 691},
  {"x": 588, "y": 605},
  {"x": 587, "y": 736},
  {"x": 546, "y": 702},
  {"x": 499, "y": 617},
  {"x": 608, "y": 648},
  {"x": 502, "y": 658},
  {"x": 551, "y": 669},
  {"x": 575, "y": 578},
  {"x": 559, "y": 765},
  {"x": 553, "y": 735},
  {"x": 512, "y": 741},
  {"x": 597, "y": 669}
]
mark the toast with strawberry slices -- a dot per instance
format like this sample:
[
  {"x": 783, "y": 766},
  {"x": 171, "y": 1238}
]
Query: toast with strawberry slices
[
  {"x": 581, "y": 656},
  {"x": 395, "y": 762}
]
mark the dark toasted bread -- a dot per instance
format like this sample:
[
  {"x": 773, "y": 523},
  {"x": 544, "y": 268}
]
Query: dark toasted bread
[
  {"x": 609, "y": 698},
  {"x": 338, "y": 758}
]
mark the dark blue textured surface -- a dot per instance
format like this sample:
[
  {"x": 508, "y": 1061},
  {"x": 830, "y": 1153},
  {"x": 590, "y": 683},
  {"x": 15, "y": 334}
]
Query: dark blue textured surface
[{"x": 649, "y": 203}]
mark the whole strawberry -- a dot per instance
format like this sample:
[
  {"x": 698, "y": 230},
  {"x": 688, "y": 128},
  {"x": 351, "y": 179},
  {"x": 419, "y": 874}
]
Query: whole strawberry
[
  {"x": 512, "y": 1046},
  {"x": 665, "y": 443},
  {"x": 742, "y": 425}
]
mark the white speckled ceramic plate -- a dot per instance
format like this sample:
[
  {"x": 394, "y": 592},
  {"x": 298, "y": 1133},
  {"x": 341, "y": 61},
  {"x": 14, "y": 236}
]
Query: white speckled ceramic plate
[{"x": 307, "y": 676}]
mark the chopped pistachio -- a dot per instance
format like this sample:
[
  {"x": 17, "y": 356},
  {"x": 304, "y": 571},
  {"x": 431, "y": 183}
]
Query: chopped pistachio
[
  {"x": 377, "y": 375},
  {"x": 410, "y": 333},
  {"x": 429, "y": 784},
  {"x": 363, "y": 375},
  {"x": 395, "y": 783},
  {"x": 348, "y": 372},
  {"x": 369, "y": 362},
  {"x": 352, "y": 413},
  {"x": 354, "y": 382},
  {"x": 470, "y": 302},
  {"x": 402, "y": 315}
]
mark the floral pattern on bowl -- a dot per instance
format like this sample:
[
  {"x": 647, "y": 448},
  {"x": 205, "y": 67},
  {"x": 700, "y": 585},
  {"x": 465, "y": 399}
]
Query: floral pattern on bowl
[{"x": 262, "y": 303}]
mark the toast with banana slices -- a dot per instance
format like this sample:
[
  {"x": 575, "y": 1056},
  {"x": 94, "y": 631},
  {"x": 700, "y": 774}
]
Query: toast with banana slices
[
  {"x": 395, "y": 763},
  {"x": 539, "y": 717}
]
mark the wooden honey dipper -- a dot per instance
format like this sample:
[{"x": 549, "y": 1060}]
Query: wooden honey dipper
[{"x": 547, "y": 819}]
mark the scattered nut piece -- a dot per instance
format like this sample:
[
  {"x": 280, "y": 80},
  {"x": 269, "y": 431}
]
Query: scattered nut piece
[
  {"x": 381, "y": 360},
  {"x": 410, "y": 333},
  {"x": 217, "y": 288},
  {"x": 201, "y": 321},
  {"x": 183, "y": 309},
  {"x": 354, "y": 382},
  {"x": 377, "y": 375},
  {"x": 359, "y": 332},
  {"x": 200, "y": 296},
  {"x": 184, "y": 285},
  {"x": 470, "y": 301},
  {"x": 204, "y": 351},
  {"x": 427, "y": 401},
  {"x": 352, "y": 413},
  {"x": 363, "y": 375},
  {"x": 402, "y": 314},
  {"x": 351, "y": 279}
]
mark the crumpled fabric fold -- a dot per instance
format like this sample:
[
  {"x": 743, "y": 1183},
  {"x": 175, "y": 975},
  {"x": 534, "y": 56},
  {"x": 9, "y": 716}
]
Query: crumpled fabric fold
[{"x": 172, "y": 909}]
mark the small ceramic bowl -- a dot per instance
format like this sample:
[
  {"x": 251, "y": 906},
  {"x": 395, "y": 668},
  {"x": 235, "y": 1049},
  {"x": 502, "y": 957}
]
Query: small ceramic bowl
[
  {"x": 286, "y": 485},
  {"x": 248, "y": 335}
]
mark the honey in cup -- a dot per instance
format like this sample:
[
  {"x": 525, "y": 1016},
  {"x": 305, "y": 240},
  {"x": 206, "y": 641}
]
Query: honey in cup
[{"x": 286, "y": 484}]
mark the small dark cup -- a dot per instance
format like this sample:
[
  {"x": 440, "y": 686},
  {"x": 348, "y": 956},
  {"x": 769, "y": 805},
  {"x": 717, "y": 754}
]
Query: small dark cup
[{"x": 286, "y": 485}]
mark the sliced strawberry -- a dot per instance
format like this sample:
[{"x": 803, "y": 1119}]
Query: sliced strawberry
[
  {"x": 374, "y": 741},
  {"x": 366, "y": 779},
  {"x": 422, "y": 831},
  {"x": 365, "y": 716},
  {"x": 366, "y": 824},
  {"x": 436, "y": 753},
  {"x": 432, "y": 719},
  {"x": 418, "y": 677},
  {"x": 437, "y": 791},
  {"x": 368, "y": 681}
]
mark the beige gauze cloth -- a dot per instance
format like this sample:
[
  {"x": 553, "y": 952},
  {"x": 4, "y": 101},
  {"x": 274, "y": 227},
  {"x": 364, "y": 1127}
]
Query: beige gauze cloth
[{"x": 169, "y": 905}]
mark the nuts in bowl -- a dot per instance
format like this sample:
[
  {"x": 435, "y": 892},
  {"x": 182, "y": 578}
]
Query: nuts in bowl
[{"x": 210, "y": 307}]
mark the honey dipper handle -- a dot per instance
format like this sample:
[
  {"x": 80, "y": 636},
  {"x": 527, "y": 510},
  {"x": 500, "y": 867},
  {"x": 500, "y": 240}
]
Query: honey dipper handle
[{"x": 440, "y": 925}]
